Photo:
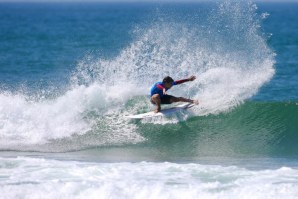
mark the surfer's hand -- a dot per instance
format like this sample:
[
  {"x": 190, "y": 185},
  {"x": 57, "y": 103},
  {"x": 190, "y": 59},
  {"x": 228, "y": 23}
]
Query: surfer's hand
[
  {"x": 196, "y": 102},
  {"x": 191, "y": 78},
  {"x": 164, "y": 91}
]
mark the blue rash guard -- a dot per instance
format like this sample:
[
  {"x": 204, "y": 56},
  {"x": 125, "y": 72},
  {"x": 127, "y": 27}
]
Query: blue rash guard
[{"x": 158, "y": 87}]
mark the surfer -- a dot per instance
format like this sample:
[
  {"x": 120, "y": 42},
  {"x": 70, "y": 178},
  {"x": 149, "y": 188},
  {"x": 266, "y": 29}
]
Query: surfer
[{"x": 159, "y": 95}]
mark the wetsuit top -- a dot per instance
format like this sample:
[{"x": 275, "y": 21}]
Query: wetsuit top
[{"x": 158, "y": 87}]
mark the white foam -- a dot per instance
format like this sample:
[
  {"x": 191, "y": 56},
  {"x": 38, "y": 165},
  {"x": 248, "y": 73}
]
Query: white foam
[
  {"x": 42, "y": 178},
  {"x": 36, "y": 122}
]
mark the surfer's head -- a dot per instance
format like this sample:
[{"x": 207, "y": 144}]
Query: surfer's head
[{"x": 168, "y": 82}]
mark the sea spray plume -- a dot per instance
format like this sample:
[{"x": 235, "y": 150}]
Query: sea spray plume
[
  {"x": 245, "y": 60},
  {"x": 228, "y": 53}
]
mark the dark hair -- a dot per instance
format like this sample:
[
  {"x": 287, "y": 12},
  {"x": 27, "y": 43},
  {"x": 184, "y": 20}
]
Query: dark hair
[{"x": 167, "y": 79}]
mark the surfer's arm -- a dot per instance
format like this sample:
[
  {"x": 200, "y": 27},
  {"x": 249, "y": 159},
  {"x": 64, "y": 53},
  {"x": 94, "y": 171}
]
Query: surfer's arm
[
  {"x": 181, "y": 81},
  {"x": 161, "y": 88}
]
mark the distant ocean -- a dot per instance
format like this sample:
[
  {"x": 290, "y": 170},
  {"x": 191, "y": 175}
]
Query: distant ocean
[{"x": 71, "y": 72}]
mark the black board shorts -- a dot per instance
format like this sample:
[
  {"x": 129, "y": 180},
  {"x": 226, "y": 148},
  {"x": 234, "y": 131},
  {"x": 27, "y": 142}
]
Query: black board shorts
[{"x": 165, "y": 99}]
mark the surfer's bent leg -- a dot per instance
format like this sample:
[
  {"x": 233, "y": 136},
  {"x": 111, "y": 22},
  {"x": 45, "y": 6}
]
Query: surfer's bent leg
[{"x": 155, "y": 99}]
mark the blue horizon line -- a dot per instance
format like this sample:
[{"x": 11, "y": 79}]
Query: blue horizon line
[{"x": 136, "y": 1}]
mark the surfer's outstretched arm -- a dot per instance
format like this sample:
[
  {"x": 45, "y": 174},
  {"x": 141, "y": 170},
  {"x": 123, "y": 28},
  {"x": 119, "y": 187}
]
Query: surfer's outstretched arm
[{"x": 181, "y": 81}]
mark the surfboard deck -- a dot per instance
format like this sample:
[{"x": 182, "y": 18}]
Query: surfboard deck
[{"x": 163, "y": 112}]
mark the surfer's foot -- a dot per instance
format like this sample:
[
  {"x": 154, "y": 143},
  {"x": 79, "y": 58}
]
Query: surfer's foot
[
  {"x": 157, "y": 110},
  {"x": 196, "y": 102}
]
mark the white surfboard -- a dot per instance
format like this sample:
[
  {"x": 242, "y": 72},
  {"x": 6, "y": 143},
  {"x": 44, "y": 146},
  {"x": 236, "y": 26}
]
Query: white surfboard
[{"x": 163, "y": 112}]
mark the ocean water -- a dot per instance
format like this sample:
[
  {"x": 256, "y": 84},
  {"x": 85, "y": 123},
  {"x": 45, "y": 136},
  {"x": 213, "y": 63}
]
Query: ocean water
[{"x": 71, "y": 72}]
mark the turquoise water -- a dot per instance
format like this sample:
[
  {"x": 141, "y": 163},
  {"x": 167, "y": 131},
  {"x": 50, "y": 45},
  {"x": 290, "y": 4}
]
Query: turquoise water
[{"x": 71, "y": 72}]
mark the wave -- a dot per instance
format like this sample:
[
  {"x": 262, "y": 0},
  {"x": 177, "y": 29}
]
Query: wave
[
  {"x": 252, "y": 129},
  {"x": 227, "y": 52}
]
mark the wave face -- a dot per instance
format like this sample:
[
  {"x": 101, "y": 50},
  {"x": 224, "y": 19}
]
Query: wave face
[
  {"x": 223, "y": 46},
  {"x": 253, "y": 129}
]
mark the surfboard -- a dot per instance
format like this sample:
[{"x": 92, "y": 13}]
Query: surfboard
[{"x": 163, "y": 112}]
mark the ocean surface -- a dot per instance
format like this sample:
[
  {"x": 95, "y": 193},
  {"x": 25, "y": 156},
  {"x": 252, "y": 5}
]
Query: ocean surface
[{"x": 70, "y": 73}]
